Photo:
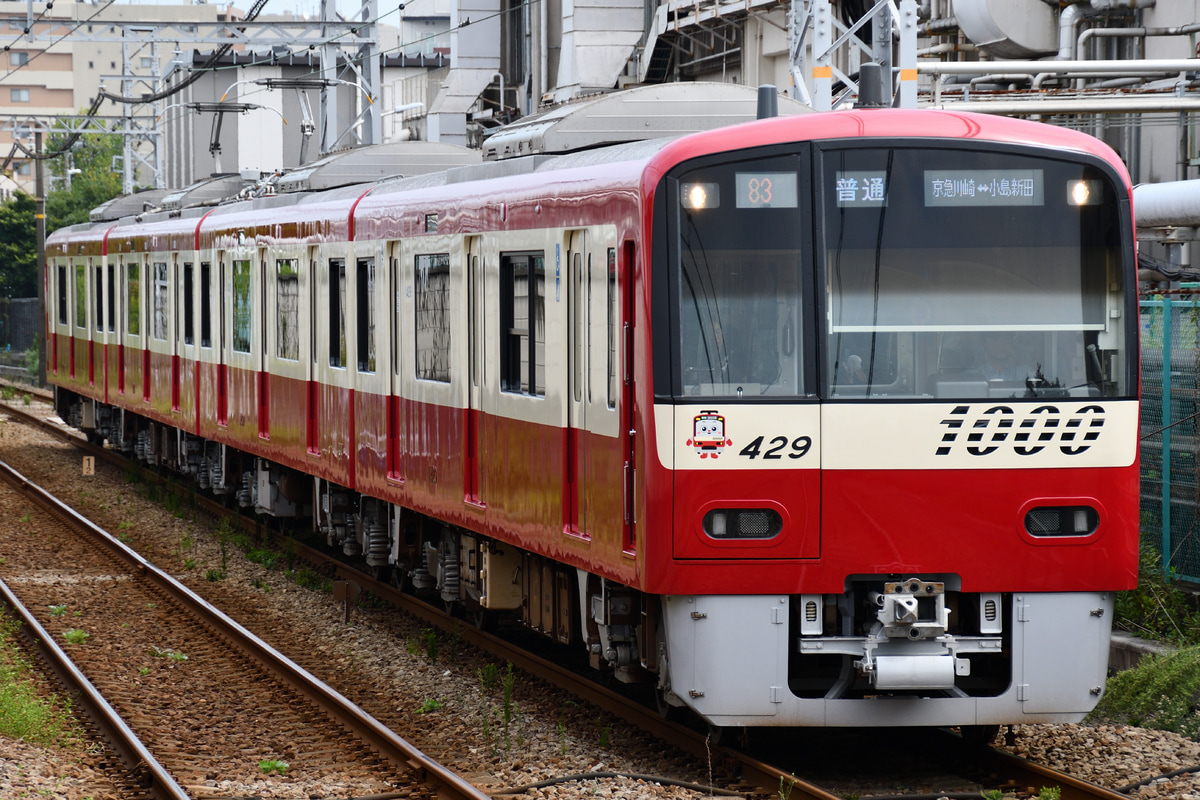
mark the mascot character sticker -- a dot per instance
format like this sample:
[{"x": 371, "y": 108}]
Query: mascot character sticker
[{"x": 708, "y": 434}]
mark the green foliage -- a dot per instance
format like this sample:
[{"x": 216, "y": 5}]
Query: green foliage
[
  {"x": 270, "y": 765},
  {"x": 1161, "y": 692},
  {"x": 1050, "y": 793},
  {"x": 1157, "y": 609},
  {"x": 97, "y": 181},
  {"x": 32, "y": 356},
  {"x": 76, "y": 636},
  {"x": 24, "y": 714},
  {"x": 168, "y": 653},
  {"x": 429, "y": 705},
  {"x": 307, "y": 578},
  {"x": 18, "y": 247}
]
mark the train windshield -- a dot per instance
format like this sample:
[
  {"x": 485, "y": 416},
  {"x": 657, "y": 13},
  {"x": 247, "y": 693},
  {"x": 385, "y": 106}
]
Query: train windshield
[
  {"x": 955, "y": 273},
  {"x": 739, "y": 280},
  {"x": 899, "y": 272}
]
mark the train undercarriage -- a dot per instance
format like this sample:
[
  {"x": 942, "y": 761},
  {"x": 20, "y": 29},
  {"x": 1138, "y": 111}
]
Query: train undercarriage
[{"x": 909, "y": 638}]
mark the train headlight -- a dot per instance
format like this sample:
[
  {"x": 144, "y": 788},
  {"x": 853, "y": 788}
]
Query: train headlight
[
  {"x": 700, "y": 196},
  {"x": 1062, "y": 521},
  {"x": 742, "y": 523},
  {"x": 1084, "y": 193}
]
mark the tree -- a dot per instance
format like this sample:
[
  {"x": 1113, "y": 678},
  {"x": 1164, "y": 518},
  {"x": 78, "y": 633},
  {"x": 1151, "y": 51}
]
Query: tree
[
  {"x": 73, "y": 194},
  {"x": 18, "y": 247}
]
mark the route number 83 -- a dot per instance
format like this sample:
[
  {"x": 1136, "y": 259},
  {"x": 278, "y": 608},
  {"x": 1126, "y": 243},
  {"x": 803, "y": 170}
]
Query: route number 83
[{"x": 777, "y": 447}]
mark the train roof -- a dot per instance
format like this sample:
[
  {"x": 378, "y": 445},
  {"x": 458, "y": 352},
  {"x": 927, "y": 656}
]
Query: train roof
[{"x": 643, "y": 112}]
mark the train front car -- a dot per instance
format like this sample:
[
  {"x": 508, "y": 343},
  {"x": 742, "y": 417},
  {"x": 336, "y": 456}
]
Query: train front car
[{"x": 895, "y": 376}]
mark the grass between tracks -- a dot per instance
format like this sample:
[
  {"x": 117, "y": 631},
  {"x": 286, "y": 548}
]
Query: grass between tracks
[{"x": 26, "y": 712}]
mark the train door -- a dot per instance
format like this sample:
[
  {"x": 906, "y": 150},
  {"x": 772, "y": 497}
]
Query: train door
[
  {"x": 266, "y": 278},
  {"x": 476, "y": 360},
  {"x": 576, "y": 473},
  {"x": 312, "y": 401},
  {"x": 176, "y": 301},
  {"x": 95, "y": 341},
  {"x": 620, "y": 298},
  {"x": 222, "y": 356},
  {"x": 395, "y": 422}
]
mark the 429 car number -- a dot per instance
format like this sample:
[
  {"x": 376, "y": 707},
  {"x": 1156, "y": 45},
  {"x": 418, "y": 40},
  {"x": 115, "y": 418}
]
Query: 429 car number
[{"x": 777, "y": 447}]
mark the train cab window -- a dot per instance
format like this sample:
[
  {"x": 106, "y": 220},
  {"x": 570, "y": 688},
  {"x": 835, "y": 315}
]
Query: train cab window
[
  {"x": 365, "y": 313},
  {"x": 134, "y": 283},
  {"x": 432, "y": 318},
  {"x": 337, "y": 312},
  {"x": 205, "y": 304},
  {"x": 737, "y": 283},
  {"x": 62, "y": 295},
  {"x": 160, "y": 300},
  {"x": 241, "y": 306},
  {"x": 98, "y": 290},
  {"x": 287, "y": 308},
  {"x": 188, "y": 302},
  {"x": 966, "y": 274},
  {"x": 523, "y": 323},
  {"x": 80, "y": 296}
]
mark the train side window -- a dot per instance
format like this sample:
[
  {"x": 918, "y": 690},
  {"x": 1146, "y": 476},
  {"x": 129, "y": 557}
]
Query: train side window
[
  {"x": 612, "y": 327},
  {"x": 62, "y": 295},
  {"x": 287, "y": 306},
  {"x": 337, "y": 312},
  {"x": 80, "y": 296},
  {"x": 134, "y": 280},
  {"x": 205, "y": 304},
  {"x": 241, "y": 306},
  {"x": 189, "y": 307},
  {"x": 98, "y": 284},
  {"x": 365, "y": 313},
  {"x": 112, "y": 298},
  {"x": 432, "y": 294},
  {"x": 160, "y": 300},
  {"x": 523, "y": 323}
]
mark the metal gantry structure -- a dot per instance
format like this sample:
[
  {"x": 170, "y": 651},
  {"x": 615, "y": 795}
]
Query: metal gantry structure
[{"x": 349, "y": 54}]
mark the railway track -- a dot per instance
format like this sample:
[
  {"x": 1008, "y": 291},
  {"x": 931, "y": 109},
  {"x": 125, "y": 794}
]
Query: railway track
[
  {"x": 209, "y": 701},
  {"x": 765, "y": 775}
]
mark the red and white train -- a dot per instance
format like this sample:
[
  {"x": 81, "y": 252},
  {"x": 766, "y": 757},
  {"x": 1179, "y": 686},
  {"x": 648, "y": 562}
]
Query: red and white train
[{"x": 817, "y": 420}]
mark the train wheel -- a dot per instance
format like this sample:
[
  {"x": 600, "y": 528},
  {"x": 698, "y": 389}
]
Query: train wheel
[
  {"x": 665, "y": 709},
  {"x": 383, "y": 574},
  {"x": 979, "y": 735},
  {"x": 735, "y": 736},
  {"x": 484, "y": 619}
]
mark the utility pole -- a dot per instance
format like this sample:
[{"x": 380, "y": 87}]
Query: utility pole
[{"x": 39, "y": 215}]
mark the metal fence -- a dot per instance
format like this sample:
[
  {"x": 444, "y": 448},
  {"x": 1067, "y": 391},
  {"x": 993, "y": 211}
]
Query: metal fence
[
  {"x": 18, "y": 323},
  {"x": 1170, "y": 430}
]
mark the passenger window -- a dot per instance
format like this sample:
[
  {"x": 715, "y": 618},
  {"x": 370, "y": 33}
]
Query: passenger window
[
  {"x": 432, "y": 293},
  {"x": 337, "y": 312},
  {"x": 160, "y": 300},
  {"x": 365, "y": 314},
  {"x": 80, "y": 296},
  {"x": 241, "y": 306},
  {"x": 523, "y": 323},
  {"x": 134, "y": 281},
  {"x": 188, "y": 303},
  {"x": 287, "y": 308},
  {"x": 62, "y": 295},
  {"x": 205, "y": 305},
  {"x": 98, "y": 285}
]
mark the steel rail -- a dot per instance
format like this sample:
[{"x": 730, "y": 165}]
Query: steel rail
[
  {"x": 399, "y": 752},
  {"x": 142, "y": 769},
  {"x": 767, "y": 778}
]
